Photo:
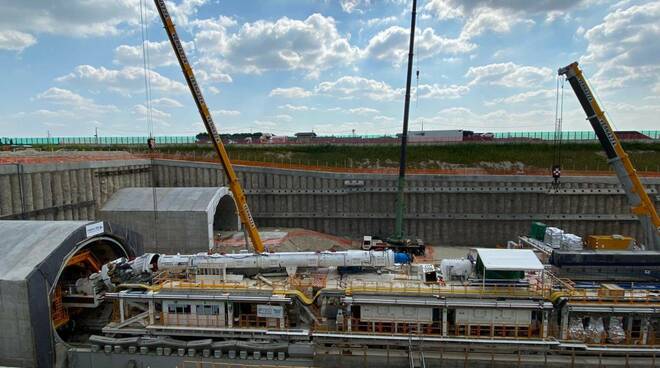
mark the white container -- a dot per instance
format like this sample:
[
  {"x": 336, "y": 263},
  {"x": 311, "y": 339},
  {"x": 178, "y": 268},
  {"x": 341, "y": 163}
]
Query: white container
[{"x": 456, "y": 268}]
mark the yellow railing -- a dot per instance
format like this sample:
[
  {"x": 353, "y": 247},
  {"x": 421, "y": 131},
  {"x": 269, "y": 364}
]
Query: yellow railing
[
  {"x": 417, "y": 288},
  {"x": 552, "y": 289}
]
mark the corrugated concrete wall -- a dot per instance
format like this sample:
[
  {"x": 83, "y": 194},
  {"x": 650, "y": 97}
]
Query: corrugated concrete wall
[
  {"x": 66, "y": 191},
  {"x": 456, "y": 210}
]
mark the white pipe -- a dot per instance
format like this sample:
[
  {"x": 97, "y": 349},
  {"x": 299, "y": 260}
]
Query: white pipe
[{"x": 350, "y": 258}]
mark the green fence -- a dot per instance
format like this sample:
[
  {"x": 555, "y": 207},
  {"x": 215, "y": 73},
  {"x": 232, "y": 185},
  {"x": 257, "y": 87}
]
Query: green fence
[
  {"x": 97, "y": 140},
  {"x": 566, "y": 136},
  {"x": 586, "y": 135}
]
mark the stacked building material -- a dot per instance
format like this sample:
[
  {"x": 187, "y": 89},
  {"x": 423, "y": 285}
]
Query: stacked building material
[
  {"x": 553, "y": 236},
  {"x": 571, "y": 242}
]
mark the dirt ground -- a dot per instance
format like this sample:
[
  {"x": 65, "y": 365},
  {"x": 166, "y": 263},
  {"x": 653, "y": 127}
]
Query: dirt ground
[
  {"x": 31, "y": 156},
  {"x": 284, "y": 240},
  {"x": 295, "y": 239}
]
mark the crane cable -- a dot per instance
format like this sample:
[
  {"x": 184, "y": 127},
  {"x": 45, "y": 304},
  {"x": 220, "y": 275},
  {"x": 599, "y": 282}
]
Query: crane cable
[
  {"x": 557, "y": 139},
  {"x": 416, "y": 56},
  {"x": 144, "y": 30}
]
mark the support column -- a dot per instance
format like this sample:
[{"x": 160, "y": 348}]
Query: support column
[
  {"x": 544, "y": 315},
  {"x": 444, "y": 321},
  {"x": 121, "y": 310},
  {"x": 152, "y": 310},
  {"x": 645, "y": 330},
  {"x": 564, "y": 323},
  {"x": 349, "y": 324},
  {"x": 230, "y": 314}
]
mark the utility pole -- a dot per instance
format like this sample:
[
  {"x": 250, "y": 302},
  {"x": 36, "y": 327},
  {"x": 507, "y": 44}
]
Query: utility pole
[
  {"x": 400, "y": 205},
  {"x": 48, "y": 141}
]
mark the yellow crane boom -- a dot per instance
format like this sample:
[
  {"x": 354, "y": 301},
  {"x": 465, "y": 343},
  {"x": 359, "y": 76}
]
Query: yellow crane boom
[
  {"x": 234, "y": 184},
  {"x": 641, "y": 204}
]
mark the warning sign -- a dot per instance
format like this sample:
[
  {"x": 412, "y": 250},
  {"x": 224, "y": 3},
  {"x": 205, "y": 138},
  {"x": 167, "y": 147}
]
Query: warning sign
[{"x": 270, "y": 311}]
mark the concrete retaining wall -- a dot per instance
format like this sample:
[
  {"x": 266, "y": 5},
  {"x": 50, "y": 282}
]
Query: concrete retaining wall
[
  {"x": 442, "y": 209},
  {"x": 66, "y": 191}
]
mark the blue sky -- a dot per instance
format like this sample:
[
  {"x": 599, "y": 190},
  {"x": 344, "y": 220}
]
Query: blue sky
[{"x": 277, "y": 66}]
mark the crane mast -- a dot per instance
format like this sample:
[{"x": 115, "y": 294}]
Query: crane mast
[
  {"x": 234, "y": 184},
  {"x": 641, "y": 204}
]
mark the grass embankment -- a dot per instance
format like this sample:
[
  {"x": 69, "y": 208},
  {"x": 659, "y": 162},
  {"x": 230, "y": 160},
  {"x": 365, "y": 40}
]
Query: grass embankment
[{"x": 645, "y": 156}]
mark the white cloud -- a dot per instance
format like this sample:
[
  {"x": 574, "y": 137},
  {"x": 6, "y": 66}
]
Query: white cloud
[
  {"x": 15, "y": 40},
  {"x": 283, "y": 117},
  {"x": 381, "y": 21},
  {"x": 124, "y": 81},
  {"x": 141, "y": 110},
  {"x": 71, "y": 18},
  {"x": 264, "y": 123},
  {"x": 360, "y": 87},
  {"x": 537, "y": 94},
  {"x": 354, "y": 6},
  {"x": 383, "y": 118},
  {"x": 212, "y": 70},
  {"x": 625, "y": 46},
  {"x": 435, "y": 91},
  {"x": 555, "y": 15},
  {"x": 73, "y": 101},
  {"x": 353, "y": 86},
  {"x": 160, "y": 54},
  {"x": 494, "y": 20},
  {"x": 221, "y": 23},
  {"x": 226, "y": 112},
  {"x": 184, "y": 10},
  {"x": 363, "y": 111},
  {"x": 158, "y": 116},
  {"x": 500, "y": 16},
  {"x": 66, "y": 109},
  {"x": 296, "y": 107},
  {"x": 291, "y": 92},
  {"x": 166, "y": 102},
  {"x": 498, "y": 120},
  {"x": 392, "y": 43},
  {"x": 311, "y": 45},
  {"x": 449, "y": 9},
  {"x": 509, "y": 75}
]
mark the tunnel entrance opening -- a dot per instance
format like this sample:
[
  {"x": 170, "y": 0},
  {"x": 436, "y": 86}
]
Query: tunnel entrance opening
[
  {"x": 225, "y": 217},
  {"x": 77, "y": 311}
]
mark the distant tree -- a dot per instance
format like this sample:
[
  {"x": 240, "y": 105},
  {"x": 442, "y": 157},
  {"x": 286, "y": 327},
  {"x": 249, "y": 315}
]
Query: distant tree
[{"x": 202, "y": 136}]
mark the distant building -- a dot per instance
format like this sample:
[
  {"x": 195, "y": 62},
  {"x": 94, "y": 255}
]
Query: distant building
[
  {"x": 628, "y": 135},
  {"x": 278, "y": 139},
  {"x": 305, "y": 137},
  {"x": 455, "y": 135}
]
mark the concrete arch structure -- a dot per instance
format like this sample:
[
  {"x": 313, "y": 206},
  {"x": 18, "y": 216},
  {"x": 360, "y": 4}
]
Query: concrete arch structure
[
  {"x": 34, "y": 256},
  {"x": 179, "y": 220}
]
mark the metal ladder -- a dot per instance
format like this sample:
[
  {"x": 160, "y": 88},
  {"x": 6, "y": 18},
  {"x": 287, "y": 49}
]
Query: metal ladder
[{"x": 411, "y": 356}]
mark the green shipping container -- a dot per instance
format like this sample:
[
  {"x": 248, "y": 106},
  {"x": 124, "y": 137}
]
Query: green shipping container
[
  {"x": 537, "y": 231},
  {"x": 498, "y": 275}
]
